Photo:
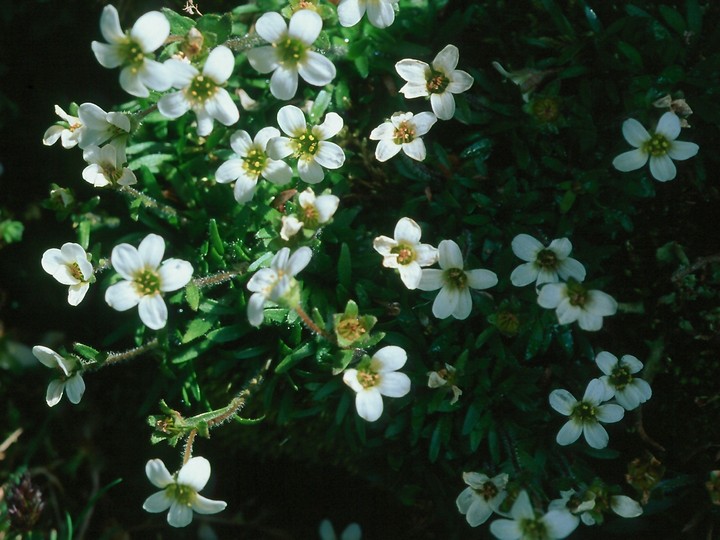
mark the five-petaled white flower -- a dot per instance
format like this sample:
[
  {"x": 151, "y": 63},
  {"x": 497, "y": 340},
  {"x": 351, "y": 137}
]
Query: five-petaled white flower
[
  {"x": 454, "y": 282},
  {"x": 314, "y": 211},
  {"x": 99, "y": 126},
  {"x": 309, "y": 145},
  {"x": 290, "y": 52},
  {"x": 70, "y": 266},
  {"x": 440, "y": 80},
  {"x": 68, "y": 132},
  {"x": 180, "y": 491},
  {"x": 327, "y": 532},
  {"x": 202, "y": 92},
  {"x": 277, "y": 283},
  {"x": 586, "y": 415},
  {"x": 377, "y": 377},
  {"x": 573, "y": 302},
  {"x": 482, "y": 497},
  {"x": 144, "y": 279},
  {"x": 526, "y": 524},
  {"x": 252, "y": 164},
  {"x": 405, "y": 252},
  {"x": 133, "y": 49},
  {"x": 403, "y": 132},
  {"x": 104, "y": 168},
  {"x": 381, "y": 13},
  {"x": 544, "y": 264},
  {"x": 571, "y": 501},
  {"x": 445, "y": 378},
  {"x": 619, "y": 382},
  {"x": 70, "y": 380},
  {"x": 660, "y": 147}
]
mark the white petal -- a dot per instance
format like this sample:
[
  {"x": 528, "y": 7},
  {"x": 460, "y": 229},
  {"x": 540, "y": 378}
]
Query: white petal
[
  {"x": 595, "y": 392},
  {"x": 380, "y": 14},
  {"x": 386, "y": 130},
  {"x": 414, "y": 149},
  {"x": 205, "y": 122},
  {"x": 426, "y": 255},
  {"x": 633, "y": 364},
  {"x": 181, "y": 73},
  {"x": 610, "y": 413},
  {"x": 173, "y": 105},
  {"x": 630, "y": 161},
  {"x": 52, "y": 134},
  {"x": 157, "y": 502},
  {"x": 202, "y": 505},
  {"x": 450, "y": 255},
  {"x": 443, "y": 105},
  {"x": 109, "y": 56},
  {"x": 606, "y": 362},
  {"x": 330, "y": 127},
  {"x": 244, "y": 189},
  {"x": 445, "y": 302},
  {"x": 464, "y": 305},
  {"x": 569, "y": 433},
  {"x": 195, "y": 473},
  {"x": 481, "y": 279},
  {"x": 423, "y": 122},
  {"x": 413, "y": 90},
  {"x": 407, "y": 231},
  {"x": 271, "y": 27},
  {"x": 264, "y": 135},
  {"x": 256, "y": 303},
  {"x": 350, "y": 12},
  {"x": 571, "y": 268},
  {"x": 219, "y": 64},
  {"x": 350, "y": 378},
  {"x": 326, "y": 205},
  {"x": 586, "y": 320},
  {"x": 110, "y": 25},
  {"x": 222, "y": 108},
  {"x": 155, "y": 75},
  {"x": 179, "y": 515},
  {"x": 460, "y": 81},
  {"x": 278, "y": 172},
  {"x": 122, "y": 296},
  {"x": 600, "y": 303},
  {"x": 431, "y": 280},
  {"x": 150, "y": 31},
  {"x": 292, "y": 121},
  {"x": 174, "y": 274},
  {"x": 369, "y": 404},
  {"x": 413, "y": 71},
  {"x": 229, "y": 171},
  {"x": 625, "y": 506},
  {"x": 263, "y": 59},
  {"x": 681, "y": 151},
  {"x": 387, "y": 149},
  {"x": 562, "y": 401},
  {"x": 279, "y": 148},
  {"x": 54, "y": 392},
  {"x": 662, "y": 168},
  {"x": 75, "y": 387},
  {"x": 595, "y": 435},
  {"x": 669, "y": 126},
  {"x": 329, "y": 155},
  {"x": 151, "y": 251},
  {"x": 635, "y": 133},
  {"x": 310, "y": 171},
  {"x": 305, "y": 25},
  {"x": 506, "y": 529},
  {"x": 316, "y": 69},
  {"x": 478, "y": 513},
  {"x": 283, "y": 83},
  {"x": 560, "y": 523},
  {"x": 410, "y": 274},
  {"x": 522, "y": 508},
  {"x": 76, "y": 293},
  {"x": 394, "y": 384},
  {"x": 446, "y": 60},
  {"x": 351, "y": 532},
  {"x": 526, "y": 247},
  {"x": 131, "y": 82},
  {"x": 298, "y": 260},
  {"x": 158, "y": 474},
  {"x": 153, "y": 311},
  {"x": 391, "y": 358},
  {"x": 552, "y": 294},
  {"x": 524, "y": 274}
]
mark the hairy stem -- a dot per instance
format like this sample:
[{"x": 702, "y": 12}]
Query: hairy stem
[{"x": 311, "y": 324}]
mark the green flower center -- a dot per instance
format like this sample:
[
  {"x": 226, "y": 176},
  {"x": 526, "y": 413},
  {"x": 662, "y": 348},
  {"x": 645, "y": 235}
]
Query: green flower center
[
  {"x": 576, "y": 293},
  {"x": 546, "y": 258},
  {"x": 147, "y": 282},
  {"x": 180, "y": 493},
  {"x": 291, "y": 51},
  {"x": 620, "y": 377},
  {"x": 368, "y": 378},
  {"x": 533, "y": 529},
  {"x": 437, "y": 82},
  {"x": 306, "y": 144},
  {"x": 585, "y": 412},
  {"x": 133, "y": 54},
  {"x": 352, "y": 329},
  {"x": 545, "y": 109},
  {"x": 113, "y": 174},
  {"x": 200, "y": 90},
  {"x": 456, "y": 278},
  {"x": 658, "y": 145},
  {"x": 255, "y": 161},
  {"x": 487, "y": 491},
  {"x": 75, "y": 271},
  {"x": 404, "y": 133},
  {"x": 310, "y": 216},
  {"x": 405, "y": 254}
]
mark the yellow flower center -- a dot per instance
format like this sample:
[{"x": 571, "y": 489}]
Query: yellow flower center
[
  {"x": 291, "y": 52},
  {"x": 147, "y": 282},
  {"x": 404, "y": 133},
  {"x": 658, "y": 145}
]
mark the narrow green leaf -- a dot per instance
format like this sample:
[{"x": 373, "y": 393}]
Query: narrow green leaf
[
  {"x": 344, "y": 266},
  {"x": 319, "y": 106},
  {"x": 215, "y": 240},
  {"x": 197, "y": 328},
  {"x": 293, "y": 358}
]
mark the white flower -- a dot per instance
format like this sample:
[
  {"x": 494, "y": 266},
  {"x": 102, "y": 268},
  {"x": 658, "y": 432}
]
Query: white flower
[
  {"x": 573, "y": 302},
  {"x": 99, "y": 126},
  {"x": 71, "y": 378},
  {"x": 402, "y": 132},
  {"x": 252, "y": 164},
  {"x": 619, "y": 383},
  {"x": 482, "y": 497},
  {"x": 445, "y": 378},
  {"x": 180, "y": 491},
  {"x": 381, "y": 13},
  {"x": 544, "y": 264},
  {"x": 377, "y": 377},
  {"x": 309, "y": 145},
  {"x": 318, "y": 210},
  {"x": 622, "y": 505},
  {"x": 70, "y": 266},
  {"x": 405, "y": 252},
  {"x": 570, "y": 501},
  {"x": 104, "y": 168},
  {"x": 68, "y": 135},
  {"x": 526, "y": 524},
  {"x": 290, "y": 227},
  {"x": 454, "y": 283},
  {"x": 277, "y": 283},
  {"x": 202, "y": 92},
  {"x": 132, "y": 51},
  {"x": 144, "y": 279},
  {"x": 660, "y": 147},
  {"x": 351, "y": 532},
  {"x": 586, "y": 415},
  {"x": 440, "y": 80},
  {"x": 290, "y": 52}
]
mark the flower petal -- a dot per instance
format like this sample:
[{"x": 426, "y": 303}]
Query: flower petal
[
  {"x": 445, "y": 302},
  {"x": 443, "y": 105},
  {"x": 610, "y": 412},
  {"x": 680, "y": 150},
  {"x": 244, "y": 189},
  {"x": 158, "y": 474},
  {"x": 390, "y": 358},
  {"x": 54, "y": 392},
  {"x": 150, "y": 31},
  {"x": 131, "y": 82},
  {"x": 630, "y": 161},
  {"x": 256, "y": 304},
  {"x": 464, "y": 305},
  {"x": 277, "y": 172},
  {"x": 174, "y": 274},
  {"x": 413, "y": 71},
  {"x": 316, "y": 69},
  {"x": 410, "y": 274},
  {"x": 669, "y": 126},
  {"x": 284, "y": 82},
  {"x": 387, "y": 149},
  {"x": 369, "y": 404},
  {"x": 394, "y": 384},
  {"x": 562, "y": 401},
  {"x": 450, "y": 255},
  {"x": 635, "y": 133},
  {"x": 569, "y": 433},
  {"x": 157, "y": 502},
  {"x": 662, "y": 168},
  {"x": 506, "y": 529},
  {"x": 151, "y": 251},
  {"x": 423, "y": 122},
  {"x": 446, "y": 60},
  {"x": 329, "y": 155},
  {"x": 202, "y": 505},
  {"x": 330, "y": 127},
  {"x": 595, "y": 435},
  {"x": 179, "y": 515},
  {"x": 625, "y": 506},
  {"x": 195, "y": 473},
  {"x": 298, "y": 260},
  {"x": 292, "y": 120},
  {"x": 173, "y": 105},
  {"x": 219, "y": 64},
  {"x": 305, "y": 25},
  {"x": 263, "y": 59},
  {"x": 460, "y": 81},
  {"x": 222, "y": 108},
  {"x": 279, "y": 148},
  {"x": 310, "y": 171},
  {"x": 431, "y": 280},
  {"x": 606, "y": 362},
  {"x": 229, "y": 171},
  {"x": 571, "y": 268},
  {"x": 524, "y": 274},
  {"x": 478, "y": 513},
  {"x": 526, "y": 247},
  {"x": 380, "y": 14},
  {"x": 153, "y": 311},
  {"x": 600, "y": 303},
  {"x": 75, "y": 387},
  {"x": 481, "y": 279},
  {"x": 122, "y": 296},
  {"x": 110, "y": 25},
  {"x": 271, "y": 27},
  {"x": 407, "y": 231},
  {"x": 76, "y": 293},
  {"x": 560, "y": 523},
  {"x": 350, "y": 12}
]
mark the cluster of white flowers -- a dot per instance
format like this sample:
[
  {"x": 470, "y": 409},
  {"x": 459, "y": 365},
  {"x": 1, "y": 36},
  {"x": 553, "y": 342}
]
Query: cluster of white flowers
[
  {"x": 527, "y": 523},
  {"x": 588, "y": 505},
  {"x": 546, "y": 266}
]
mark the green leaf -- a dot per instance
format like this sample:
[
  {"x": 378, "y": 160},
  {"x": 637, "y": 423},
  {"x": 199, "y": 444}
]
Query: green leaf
[
  {"x": 179, "y": 24},
  {"x": 215, "y": 240},
  {"x": 86, "y": 351},
  {"x": 11, "y": 231},
  {"x": 319, "y": 106},
  {"x": 631, "y": 53},
  {"x": 151, "y": 161},
  {"x": 84, "y": 234},
  {"x": 293, "y": 358},
  {"x": 192, "y": 295},
  {"x": 212, "y": 23},
  {"x": 197, "y": 328},
  {"x": 344, "y": 266},
  {"x": 673, "y": 19}
]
